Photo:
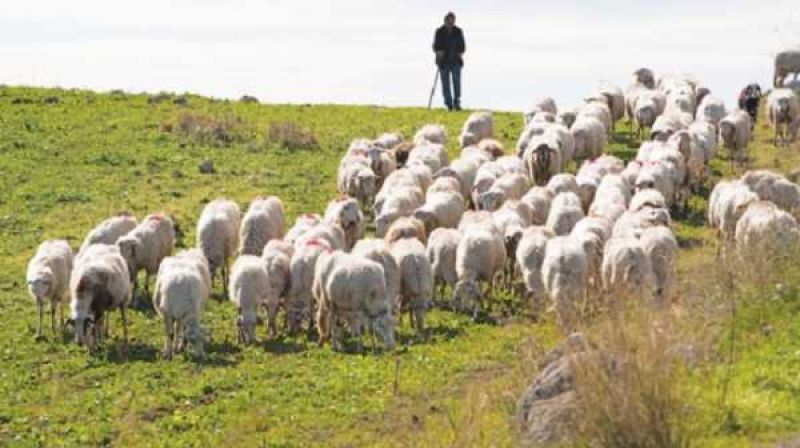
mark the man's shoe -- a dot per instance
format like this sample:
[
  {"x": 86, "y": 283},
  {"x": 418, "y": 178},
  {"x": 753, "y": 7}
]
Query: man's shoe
[{"x": 458, "y": 107}]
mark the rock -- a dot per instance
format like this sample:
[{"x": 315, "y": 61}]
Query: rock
[
  {"x": 248, "y": 99},
  {"x": 551, "y": 421},
  {"x": 206, "y": 167}
]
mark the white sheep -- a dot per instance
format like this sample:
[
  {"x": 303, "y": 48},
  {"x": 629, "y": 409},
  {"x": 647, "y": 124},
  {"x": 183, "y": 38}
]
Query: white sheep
[
  {"x": 441, "y": 209},
  {"x": 433, "y": 133},
  {"x": 615, "y": 99},
  {"x": 511, "y": 185},
  {"x": 784, "y": 109},
  {"x": 541, "y": 105},
  {"x": 99, "y": 283},
  {"x": 356, "y": 178},
  {"x": 599, "y": 110},
  {"x": 590, "y": 136},
  {"x": 627, "y": 272},
  {"x": 331, "y": 233},
  {"x": 388, "y": 140},
  {"x": 529, "y": 258},
  {"x": 765, "y": 232},
  {"x": 346, "y": 213},
  {"x": 265, "y": 220},
  {"x": 110, "y": 230},
  {"x": 565, "y": 211},
  {"x": 406, "y": 227},
  {"x": 416, "y": 279},
  {"x": 279, "y": 273},
  {"x": 492, "y": 147},
  {"x": 631, "y": 224},
  {"x": 711, "y": 109},
  {"x": 538, "y": 199},
  {"x": 218, "y": 235},
  {"x": 478, "y": 219},
  {"x": 378, "y": 251},
  {"x": 479, "y": 125},
  {"x": 146, "y": 245},
  {"x": 561, "y": 183},
  {"x": 565, "y": 271},
  {"x": 704, "y": 134},
  {"x": 48, "y": 280},
  {"x": 302, "y": 224},
  {"x": 401, "y": 203},
  {"x": 444, "y": 184},
  {"x": 511, "y": 220},
  {"x": 735, "y": 131},
  {"x": 462, "y": 170},
  {"x": 480, "y": 256},
  {"x": 249, "y": 286},
  {"x": 432, "y": 155},
  {"x": 355, "y": 294},
  {"x": 442, "y": 247},
  {"x": 661, "y": 248},
  {"x": 774, "y": 187},
  {"x": 543, "y": 159}
]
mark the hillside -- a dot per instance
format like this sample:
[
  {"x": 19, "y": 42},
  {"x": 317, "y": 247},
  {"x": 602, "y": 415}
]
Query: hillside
[{"x": 69, "y": 159}]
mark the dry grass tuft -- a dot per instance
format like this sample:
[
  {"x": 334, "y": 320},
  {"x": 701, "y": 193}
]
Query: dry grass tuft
[
  {"x": 288, "y": 135},
  {"x": 224, "y": 130}
]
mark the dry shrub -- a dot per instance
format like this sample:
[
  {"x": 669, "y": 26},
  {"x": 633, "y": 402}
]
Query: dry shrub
[
  {"x": 206, "y": 129},
  {"x": 288, "y": 135}
]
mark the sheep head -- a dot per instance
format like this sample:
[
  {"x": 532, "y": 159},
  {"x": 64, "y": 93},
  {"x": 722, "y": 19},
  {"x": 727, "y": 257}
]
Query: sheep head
[{"x": 40, "y": 283}]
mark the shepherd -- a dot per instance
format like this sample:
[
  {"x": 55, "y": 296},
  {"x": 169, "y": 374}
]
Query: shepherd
[{"x": 448, "y": 44}]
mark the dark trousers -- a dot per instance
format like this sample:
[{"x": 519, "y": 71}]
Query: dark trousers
[{"x": 452, "y": 98}]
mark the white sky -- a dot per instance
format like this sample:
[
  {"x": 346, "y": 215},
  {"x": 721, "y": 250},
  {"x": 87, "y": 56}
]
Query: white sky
[{"x": 369, "y": 52}]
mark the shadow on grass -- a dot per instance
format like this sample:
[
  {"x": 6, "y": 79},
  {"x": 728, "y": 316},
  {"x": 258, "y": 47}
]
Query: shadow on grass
[{"x": 283, "y": 345}]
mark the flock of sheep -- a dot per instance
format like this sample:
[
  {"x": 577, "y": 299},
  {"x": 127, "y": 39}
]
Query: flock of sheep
[{"x": 483, "y": 221}]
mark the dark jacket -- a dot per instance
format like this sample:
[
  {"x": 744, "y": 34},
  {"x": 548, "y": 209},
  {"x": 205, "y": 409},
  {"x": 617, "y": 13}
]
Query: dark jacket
[{"x": 451, "y": 42}]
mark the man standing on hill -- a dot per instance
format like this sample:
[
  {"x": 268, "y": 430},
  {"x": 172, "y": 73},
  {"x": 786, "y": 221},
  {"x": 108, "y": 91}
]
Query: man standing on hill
[{"x": 448, "y": 44}]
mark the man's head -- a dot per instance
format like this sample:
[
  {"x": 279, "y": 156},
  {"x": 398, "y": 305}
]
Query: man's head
[{"x": 450, "y": 20}]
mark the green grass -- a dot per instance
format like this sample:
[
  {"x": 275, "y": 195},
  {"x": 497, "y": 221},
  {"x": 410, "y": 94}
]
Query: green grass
[{"x": 66, "y": 166}]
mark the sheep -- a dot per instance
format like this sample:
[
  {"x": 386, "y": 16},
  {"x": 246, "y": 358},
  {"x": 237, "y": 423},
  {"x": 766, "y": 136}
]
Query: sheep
[
  {"x": 565, "y": 271},
  {"x": 630, "y": 224},
  {"x": 182, "y": 288},
  {"x": 265, "y": 220},
  {"x": 775, "y": 188},
  {"x": 511, "y": 219},
  {"x": 542, "y": 105},
  {"x": 480, "y": 219},
  {"x": 661, "y": 248},
  {"x": 444, "y": 184},
  {"x": 563, "y": 182},
  {"x": 431, "y": 155},
  {"x": 357, "y": 180},
  {"x": 100, "y": 282},
  {"x": 441, "y": 250},
  {"x": 302, "y": 224},
  {"x": 566, "y": 118},
  {"x": 110, "y": 230},
  {"x": 508, "y": 186},
  {"x": 146, "y": 245},
  {"x": 401, "y": 203},
  {"x": 734, "y": 131},
  {"x": 666, "y": 125},
  {"x": 476, "y": 155},
  {"x": 378, "y": 251},
  {"x": 784, "y": 109},
  {"x": 406, "y": 227},
  {"x": 614, "y": 188},
  {"x": 615, "y": 99},
  {"x": 407, "y": 179},
  {"x": 627, "y": 271},
  {"x": 704, "y": 134},
  {"x": 480, "y": 255},
  {"x": 416, "y": 279},
  {"x": 529, "y": 258},
  {"x": 479, "y": 125},
  {"x": 346, "y": 213},
  {"x": 388, "y": 140},
  {"x": 48, "y": 278},
  {"x": 647, "y": 197},
  {"x": 218, "y": 235},
  {"x": 300, "y": 304},
  {"x": 765, "y": 232},
  {"x": 565, "y": 211},
  {"x": 543, "y": 159},
  {"x": 711, "y": 109},
  {"x": 442, "y": 209},
  {"x": 600, "y": 111},
  {"x": 538, "y": 199},
  {"x": 463, "y": 171},
  {"x": 694, "y": 156},
  {"x": 432, "y": 133},
  {"x": 356, "y": 294},
  {"x": 659, "y": 175},
  {"x": 322, "y": 266},
  {"x": 249, "y": 286},
  {"x": 492, "y": 147},
  {"x": 786, "y": 62},
  {"x": 645, "y": 77},
  {"x": 510, "y": 164},
  {"x": 589, "y": 135},
  {"x": 279, "y": 274},
  {"x": 645, "y": 110},
  {"x": 279, "y": 246}
]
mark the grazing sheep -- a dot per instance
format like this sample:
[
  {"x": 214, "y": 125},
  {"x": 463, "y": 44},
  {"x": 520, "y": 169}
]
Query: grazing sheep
[
  {"x": 666, "y": 125},
  {"x": 416, "y": 279},
  {"x": 388, "y": 140},
  {"x": 711, "y": 109},
  {"x": 378, "y": 251},
  {"x": 443, "y": 209},
  {"x": 406, "y": 227},
  {"x": 331, "y": 233},
  {"x": 565, "y": 211},
  {"x": 492, "y": 146},
  {"x": 442, "y": 247},
  {"x": 406, "y": 179},
  {"x": 430, "y": 155},
  {"x": 630, "y": 224},
  {"x": 543, "y": 159},
  {"x": 463, "y": 171},
  {"x": 775, "y": 188},
  {"x": 538, "y": 199},
  {"x": 565, "y": 271},
  {"x": 431, "y": 133},
  {"x": 100, "y": 282},
  {"x": 402, "y": 203},
  {"x": 249, "y": 286},
  {"x": 734, "y": 131},
  {"x": 562, "y": 183},
  {"x": 511, "y": 185},
  {"x": 529, "y": 257},
  {"x": 346, "y": 213},
  {"x": 355, "y": 293},
  {"x": 444, "y": 184},
  {"x": 48, "y": 280},
  {"x": 321, "y": 268},
  {"x": 765, "y": 232},
  {"x": 661, "y": 248},
  {"x": 479, "y": 125},
  {"x": 567, "y": 118},
  {"x": 615, "y": 99},
  {"x": 627, "y": 272},
  {"x": 481, "y": 254},
  {"x": 110, "y": 230},
  {"x": 647, "y": 197},
  {"x": 704, "y": 134},
  {"x": 786, "y": 62},
  {"x": 511, "y": 219},
  {"x": 146, "y": 245},
  {"x": 590, "y": 136},
  {"x": 476, "y": 155},
  {"x": 279, "y": 246},
  {"x": 598, "y": 110},
  {"x": 784, "y": 109},
  {"x": 265, "y": 220},
  {"x": 478, "y": 219},
  {"x": 541, "y": 105},
  {"x": 645, "y": 77},
  {"x": 300, "y": 304},
  {"x": 218, "y": 236},
  {"x": 279, "y": 274},
  {"x": 181, "y": 290},
  {"x": 302, "y": 224}
]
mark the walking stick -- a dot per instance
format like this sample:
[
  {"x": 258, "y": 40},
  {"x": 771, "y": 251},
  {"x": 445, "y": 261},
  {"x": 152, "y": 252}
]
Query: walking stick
[{"x": 433, "y": 89}]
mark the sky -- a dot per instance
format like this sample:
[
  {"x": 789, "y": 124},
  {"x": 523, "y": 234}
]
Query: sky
[{"x": 369, "y": 52}]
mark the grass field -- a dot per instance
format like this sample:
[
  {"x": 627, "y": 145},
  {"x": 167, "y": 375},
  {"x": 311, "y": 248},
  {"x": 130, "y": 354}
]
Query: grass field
[{"x": 69, "y": 159}]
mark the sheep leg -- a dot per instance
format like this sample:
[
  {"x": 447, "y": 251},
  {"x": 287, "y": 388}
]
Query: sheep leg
[
  {"x": 53, "y": 305},
  {"x": 169, "y": 334},
  {"x": 124, "y": 330},
  {"x": 419, "y": 320},
  {"x": 147, "y": 283},
  {"x": 40, "y": 308}
]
